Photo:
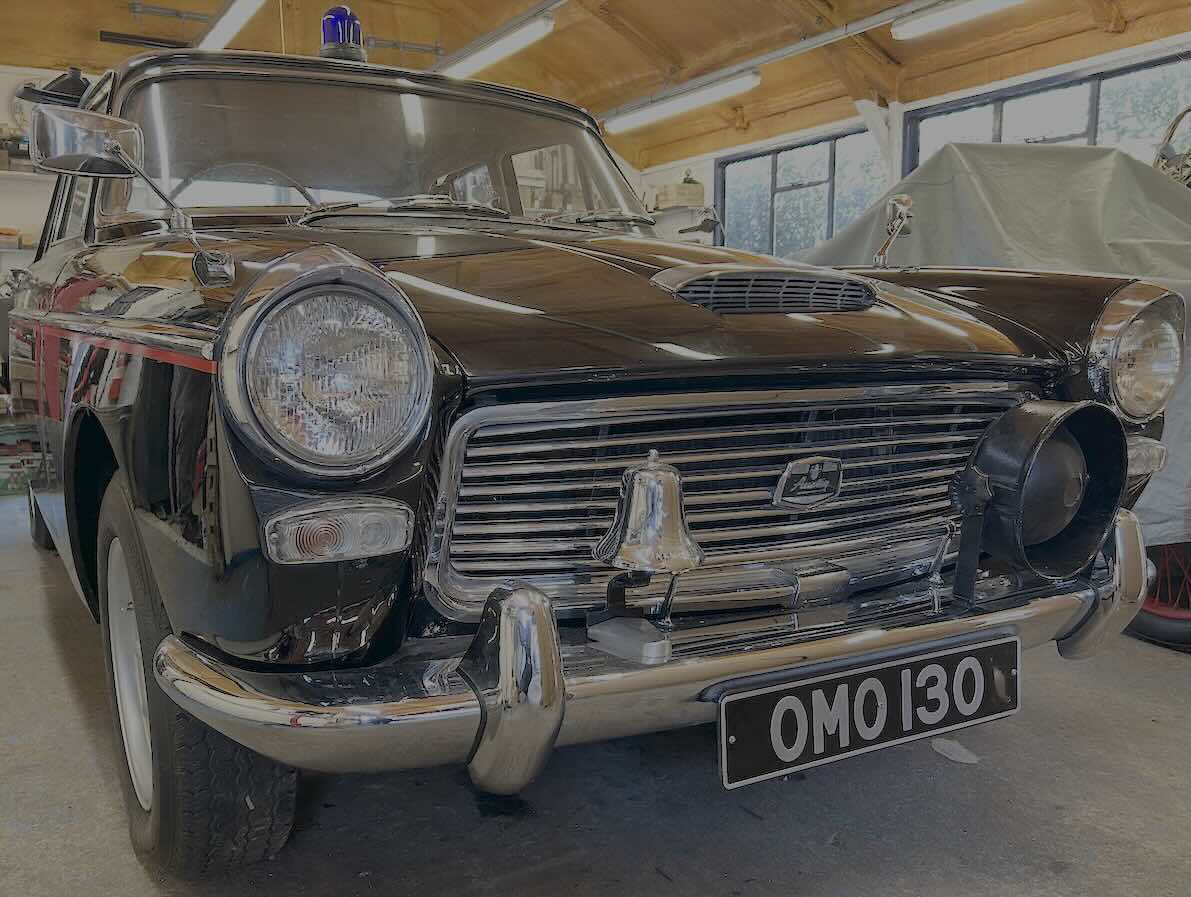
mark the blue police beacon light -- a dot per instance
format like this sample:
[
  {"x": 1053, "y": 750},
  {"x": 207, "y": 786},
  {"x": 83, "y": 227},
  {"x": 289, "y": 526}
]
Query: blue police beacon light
[{"x": 343, "y": 38}]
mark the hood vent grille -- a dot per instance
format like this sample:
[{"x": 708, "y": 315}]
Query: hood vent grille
[{"x": 776, "y": 292}]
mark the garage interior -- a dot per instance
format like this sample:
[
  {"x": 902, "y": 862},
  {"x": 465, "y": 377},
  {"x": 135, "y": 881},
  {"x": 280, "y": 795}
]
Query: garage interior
[{"x": 775, "y": 127}]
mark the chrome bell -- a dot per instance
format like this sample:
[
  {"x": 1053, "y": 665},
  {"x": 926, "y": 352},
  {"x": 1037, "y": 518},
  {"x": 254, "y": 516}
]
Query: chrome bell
[{"x": 649, "y": 533}]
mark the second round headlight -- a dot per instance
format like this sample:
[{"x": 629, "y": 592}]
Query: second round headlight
[
  {"x": 1147, "y": 363},
  {"x": 337, "y": 377}
]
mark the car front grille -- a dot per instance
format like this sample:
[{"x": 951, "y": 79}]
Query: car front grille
[{"x": 528, "y": 490}]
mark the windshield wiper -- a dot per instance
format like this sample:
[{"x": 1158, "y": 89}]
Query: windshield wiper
[
  {"x": 606, "y": 216},
  {"x": 413, "y": 202}
]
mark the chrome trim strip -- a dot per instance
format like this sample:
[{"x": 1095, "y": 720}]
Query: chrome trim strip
[
  {"x": 450, "y": 593},
  {"x": 189, "y": 339}
]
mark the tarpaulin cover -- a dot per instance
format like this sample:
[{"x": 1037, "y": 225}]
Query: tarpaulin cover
[{"x": 1050, "y": 208}]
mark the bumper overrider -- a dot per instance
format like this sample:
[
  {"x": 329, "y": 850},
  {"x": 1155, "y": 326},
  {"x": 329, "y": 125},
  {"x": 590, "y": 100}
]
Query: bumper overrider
[{"x": 501, "y": 701}]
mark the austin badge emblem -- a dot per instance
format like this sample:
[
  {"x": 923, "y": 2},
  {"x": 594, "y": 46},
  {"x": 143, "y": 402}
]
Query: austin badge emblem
[{"x": 808, "y": 482}]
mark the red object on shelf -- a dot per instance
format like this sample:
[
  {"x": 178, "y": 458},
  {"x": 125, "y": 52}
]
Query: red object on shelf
[{"x": 1171, "y": 595}]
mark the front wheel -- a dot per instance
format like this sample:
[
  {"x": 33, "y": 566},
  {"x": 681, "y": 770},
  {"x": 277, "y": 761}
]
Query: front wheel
[{"x": 198, "y": 802}]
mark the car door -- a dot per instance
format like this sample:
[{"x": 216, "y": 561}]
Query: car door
[
  {"x": 56, "y": 287},
  {"x": 39, "y": 357}
]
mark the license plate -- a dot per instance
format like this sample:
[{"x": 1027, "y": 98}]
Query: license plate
[{"x": 783, "y": 728}]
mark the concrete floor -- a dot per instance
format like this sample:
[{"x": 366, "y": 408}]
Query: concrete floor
[{"x": 1086, "y": 792}]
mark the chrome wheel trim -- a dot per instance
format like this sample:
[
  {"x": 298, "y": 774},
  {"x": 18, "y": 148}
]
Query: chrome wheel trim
[{"x": 128, "y": 673}]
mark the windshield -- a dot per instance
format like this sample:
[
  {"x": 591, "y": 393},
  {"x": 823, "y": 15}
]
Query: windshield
[{"x": 216, "y": 142}]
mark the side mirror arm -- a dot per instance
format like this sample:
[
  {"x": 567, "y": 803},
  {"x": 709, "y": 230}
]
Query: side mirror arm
[
  {"x": 899, "y": 224},
  {"x": 212, "y": 267},
  {"x": 180, "y": 221}
]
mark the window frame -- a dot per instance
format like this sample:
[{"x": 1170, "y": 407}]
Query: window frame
[
  {"x": 83, "y": 223},
  {"x": 722, "y": 163},
  {"x": 997, "y": 99}
]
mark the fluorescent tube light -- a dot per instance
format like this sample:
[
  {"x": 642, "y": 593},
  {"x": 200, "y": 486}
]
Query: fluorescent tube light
[
  {"x": 224, "y": 29},
  {"x": 502, "y": 47},
  {"x": 668, "y": 107},
  {"x": 947, "y": 15}
]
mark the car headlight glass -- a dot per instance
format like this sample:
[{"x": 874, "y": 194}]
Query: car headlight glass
[
  {"x": 338, "y": 377},
  {"x": 1147, "y": 363}
]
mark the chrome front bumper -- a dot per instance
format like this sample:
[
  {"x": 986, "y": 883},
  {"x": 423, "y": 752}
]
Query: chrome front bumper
[{"x": 503, "y": 700}]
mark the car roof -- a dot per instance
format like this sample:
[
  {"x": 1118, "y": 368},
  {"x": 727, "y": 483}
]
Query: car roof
[{"x": 161, "y": 61}]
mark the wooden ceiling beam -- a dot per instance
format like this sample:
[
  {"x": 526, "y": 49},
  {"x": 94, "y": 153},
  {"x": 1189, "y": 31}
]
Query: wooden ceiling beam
[
  {"x": 862, "y": 67},
  {"x": 1030, "y": 57},
  {"x": 736, "y": 117},
  {"x": 609, "y": 94},
  {"x": 828, "y": 17},
  {"x": 659, "y": 54},
  {"x": 857, "y": 86},
  {"x": 725, "y": 137},
  {"x": 741, "y": 48},
  {"x": 1108, "y": 15}
]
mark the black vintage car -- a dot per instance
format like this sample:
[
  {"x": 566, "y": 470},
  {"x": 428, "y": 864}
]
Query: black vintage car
[{"x": 379, "y": 432}]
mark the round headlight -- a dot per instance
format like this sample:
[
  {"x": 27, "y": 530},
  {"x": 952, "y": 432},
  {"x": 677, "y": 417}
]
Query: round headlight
[
  {"x": 1135, "y": 359},
  {"x": 1147, "y": 364},
  {"x": 338, "y": 377}
]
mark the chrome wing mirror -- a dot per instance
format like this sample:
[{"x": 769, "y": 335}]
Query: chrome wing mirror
[
  {"x": 708, "y": 224},
  {"x": 897, "y": 225},
  {"x": 75, "y": 141},
  {"x": 89, "y": 144},
  {"x": 1170, "y": 161}
]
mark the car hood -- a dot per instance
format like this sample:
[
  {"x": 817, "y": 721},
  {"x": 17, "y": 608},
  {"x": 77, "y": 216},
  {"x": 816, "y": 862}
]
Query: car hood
[
  {"x": 508, "y": 302},
  {"x": 524, "y": 304}
]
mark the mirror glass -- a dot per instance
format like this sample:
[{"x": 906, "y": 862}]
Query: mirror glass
[{"x": 75, "y": 141}]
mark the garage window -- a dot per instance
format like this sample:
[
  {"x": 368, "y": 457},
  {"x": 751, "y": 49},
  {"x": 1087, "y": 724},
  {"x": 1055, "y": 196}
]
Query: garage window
[
  {"x": 1128, "y": 109},
  {"x": 786, "y": 200}
]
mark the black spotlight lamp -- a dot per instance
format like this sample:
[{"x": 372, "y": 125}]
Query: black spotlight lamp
[
  {"x": 1041, "y": 490},
  {"x": 343, "y": 36}
]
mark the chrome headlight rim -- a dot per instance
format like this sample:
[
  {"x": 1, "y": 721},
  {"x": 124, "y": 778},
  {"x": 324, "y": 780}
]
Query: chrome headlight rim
[
  {"x": 267, "y": 297},
  {"x": 1122, "y": 311}
]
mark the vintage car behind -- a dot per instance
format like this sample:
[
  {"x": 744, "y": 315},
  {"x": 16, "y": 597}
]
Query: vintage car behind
[{"x": 379, "y": 434}]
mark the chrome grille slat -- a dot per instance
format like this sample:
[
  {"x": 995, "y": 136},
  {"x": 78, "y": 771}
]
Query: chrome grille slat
[
  {"x": 705, "y": 535},
  {"x": 696, "y": 435},
  {"x": 603, "y": 521},
  {"x": 596, "y": 575},
  {"x": 678, "y": 459},
  {"x": 706, "y": 406},
  {"x": 529, "y": 489},
  {"x": 693, "y": 499},
  {"x": 689, "y": 479}
]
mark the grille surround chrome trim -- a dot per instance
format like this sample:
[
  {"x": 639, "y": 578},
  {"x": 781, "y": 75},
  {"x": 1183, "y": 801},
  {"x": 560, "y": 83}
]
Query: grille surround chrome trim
[{"x": 461, "y": 597}]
